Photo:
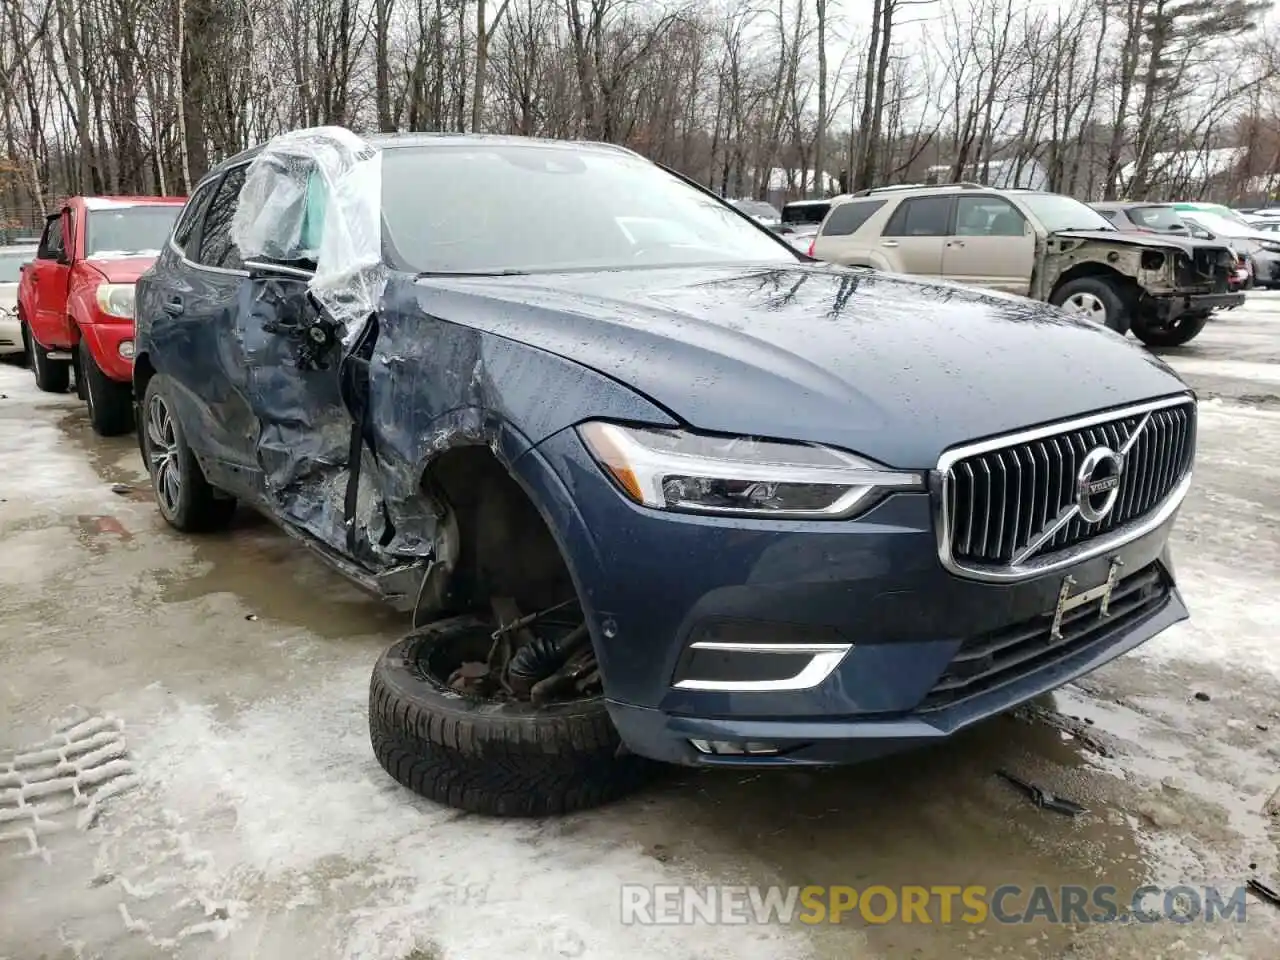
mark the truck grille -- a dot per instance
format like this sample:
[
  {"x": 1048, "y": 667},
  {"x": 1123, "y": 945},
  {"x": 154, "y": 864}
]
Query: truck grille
[
  {"x": 999, "y": 502},
  {"x": 993, "y": 659}
]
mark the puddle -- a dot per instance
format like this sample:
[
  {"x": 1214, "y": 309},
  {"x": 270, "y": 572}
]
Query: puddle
[{"x": 277, "y": 579}]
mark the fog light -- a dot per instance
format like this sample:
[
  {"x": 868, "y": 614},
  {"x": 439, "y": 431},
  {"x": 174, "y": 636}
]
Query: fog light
[
  {"x": 126, "y": 349},
  {"x": 725, "y": 748}
]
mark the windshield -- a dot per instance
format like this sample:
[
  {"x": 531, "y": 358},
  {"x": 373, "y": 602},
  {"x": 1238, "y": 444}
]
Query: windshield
[
  {"x": 137, "y": 230},
  {"x": 758, "y": 208},
  {"x": 1157, "y": 218},
  {"x": 1223, "y": 226},
  {"x": 805, "y": 213},
  {"x": 543, "y": 207},
  {"x": 1057, "y": 212},
  {"x": 11, "y": 261}
]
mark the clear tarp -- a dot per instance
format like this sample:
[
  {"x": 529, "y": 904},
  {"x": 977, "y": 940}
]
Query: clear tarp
[{"x": 313, "y": 198}]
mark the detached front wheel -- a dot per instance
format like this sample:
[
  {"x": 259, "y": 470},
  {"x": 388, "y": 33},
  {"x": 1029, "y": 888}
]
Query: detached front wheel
[
  {"x": 1094, "y": 298},
  {"x": 504, "y": 758}
]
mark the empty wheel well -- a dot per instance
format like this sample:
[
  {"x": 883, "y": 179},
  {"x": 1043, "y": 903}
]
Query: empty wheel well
[{"x": 504, "y": 547}]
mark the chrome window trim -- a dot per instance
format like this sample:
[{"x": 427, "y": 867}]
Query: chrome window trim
[
  {"x": 1069, "y": 556},
  {"x": 824, "y": 658}
]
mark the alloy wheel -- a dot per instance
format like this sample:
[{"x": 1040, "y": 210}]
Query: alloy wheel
[
  {"x": 163, "y": 454},
  {"x": 1086, "y": 305}
]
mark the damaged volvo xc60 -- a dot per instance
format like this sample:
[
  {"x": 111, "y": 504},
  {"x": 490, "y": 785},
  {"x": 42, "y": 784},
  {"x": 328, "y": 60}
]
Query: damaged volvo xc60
[{"x": 651, "y": 484}]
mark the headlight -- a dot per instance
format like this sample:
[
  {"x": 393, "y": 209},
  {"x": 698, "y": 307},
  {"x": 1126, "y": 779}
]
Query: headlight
[
  {"x": 676, "y": 470},
  {"x": 116, "y": 299}
]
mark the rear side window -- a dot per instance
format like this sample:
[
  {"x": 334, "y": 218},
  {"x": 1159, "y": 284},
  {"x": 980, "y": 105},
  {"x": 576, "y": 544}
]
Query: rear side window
[
  {"x": 191, "y": 216},
  {"x": 805, "y": 213},
  {"x": 216, "y": 246},
  {"x": 921, "y": 217},
  {"x": 847, "y": 218}
]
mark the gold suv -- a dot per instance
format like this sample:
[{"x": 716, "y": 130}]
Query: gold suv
[{"x": 1041, "y": 245}]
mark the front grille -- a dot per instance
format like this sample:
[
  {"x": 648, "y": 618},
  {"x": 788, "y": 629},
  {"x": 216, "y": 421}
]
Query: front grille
[
  {"x": 1001, "y": 501},
  {"x": 994, "y": 659}
]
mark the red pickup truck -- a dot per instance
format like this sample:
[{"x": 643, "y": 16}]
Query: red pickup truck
[{"x": 75, "y": 299}]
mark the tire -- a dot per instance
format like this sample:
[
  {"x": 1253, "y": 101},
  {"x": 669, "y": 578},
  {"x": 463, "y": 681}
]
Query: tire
[
  {"x": 184, "y": 496},
  {"x": 1097, "y": 298},
  {"x": 1183, "y": 330},
  {"x": 52, "y": 376},
  {"x": 502, "y": 759},
  {"x": 110, "y": 402}
]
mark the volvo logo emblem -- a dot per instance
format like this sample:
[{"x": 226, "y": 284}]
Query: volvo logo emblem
[{"x": 1098, "y": 483}]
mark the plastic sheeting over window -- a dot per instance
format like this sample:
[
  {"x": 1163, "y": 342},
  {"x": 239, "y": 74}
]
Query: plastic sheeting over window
[{"x": 313, "y": 198}]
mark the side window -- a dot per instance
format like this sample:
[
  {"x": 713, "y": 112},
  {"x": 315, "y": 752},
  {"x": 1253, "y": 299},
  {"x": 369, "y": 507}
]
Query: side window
[
  {"x": 191, "y": 215},
  {"x": 921, "y": 217},
  {"x": 987, "y": 217},
  {"x": 52, "y": 245},
  {"x": 216, "y": 248},
  {"x": 847, "y": 218}
]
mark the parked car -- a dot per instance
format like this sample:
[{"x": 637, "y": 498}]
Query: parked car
[
  {"x": 1163, "y": 218},
  {"x": 1142, "y": 217},
  {"x": 803, "y": 217},
  {"x": 75, "y": 299},
  {"x": 765, "y": 213},
  {"x": 1262, "y": 249},
  {"x": 697, "y": 500},
  {"x": 12, "y": 259},
  {"x": 1041, "y": 245}
]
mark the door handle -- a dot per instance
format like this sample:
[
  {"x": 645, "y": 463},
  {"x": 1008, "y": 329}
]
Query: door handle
[
  {"x": 174, "y": 307},
  {"x": 888, "y": 243},
  {"x": 956, "y": 243}
]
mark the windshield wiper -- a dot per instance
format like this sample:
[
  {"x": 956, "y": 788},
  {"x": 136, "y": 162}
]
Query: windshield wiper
[{"x": 471, "y": 273}]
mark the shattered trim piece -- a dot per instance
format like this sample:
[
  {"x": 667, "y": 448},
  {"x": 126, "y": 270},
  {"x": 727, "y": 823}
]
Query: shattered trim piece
[{"x": 314, "y": 197}]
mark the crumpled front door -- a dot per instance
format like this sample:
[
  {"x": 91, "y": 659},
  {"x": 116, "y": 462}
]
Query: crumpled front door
[{"x": 304, "y": 427}]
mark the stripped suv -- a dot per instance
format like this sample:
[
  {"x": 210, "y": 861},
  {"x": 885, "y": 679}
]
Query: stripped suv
[{"x": 658, "y": 488}]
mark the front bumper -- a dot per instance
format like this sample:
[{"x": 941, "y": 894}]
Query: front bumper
[
  {"x": 1175, "y": 305},
  {"x": 10, "y": 333},
  {"x": 654, "y": 583},
  {"x": 105, "y": 339}
]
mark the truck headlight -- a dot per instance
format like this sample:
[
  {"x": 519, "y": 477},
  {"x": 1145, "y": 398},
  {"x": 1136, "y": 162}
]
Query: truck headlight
[
  {"x": 116, "y": 300},
  {"x": 740, "y": 476}
]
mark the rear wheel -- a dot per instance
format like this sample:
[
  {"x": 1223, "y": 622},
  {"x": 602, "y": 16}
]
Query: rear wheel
[
  {"x": 1094, "y": 298},
  {"x": 110, "y": 402},
  {"x": 1182, "y": 330},
  {"x": 184, "y": 496},
  {"x": 52, "y": 376}
]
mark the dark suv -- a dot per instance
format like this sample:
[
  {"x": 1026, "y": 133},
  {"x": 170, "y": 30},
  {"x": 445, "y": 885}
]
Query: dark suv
[{"x": 655, "y": 488}]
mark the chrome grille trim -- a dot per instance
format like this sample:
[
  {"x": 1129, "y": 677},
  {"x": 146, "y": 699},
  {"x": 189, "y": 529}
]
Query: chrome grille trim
[{"x": 1149, "y": 433}]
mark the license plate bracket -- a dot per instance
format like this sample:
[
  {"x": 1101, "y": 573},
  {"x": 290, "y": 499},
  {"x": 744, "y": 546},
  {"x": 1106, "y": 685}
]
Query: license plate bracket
[{"x": 1068, "y": 601}]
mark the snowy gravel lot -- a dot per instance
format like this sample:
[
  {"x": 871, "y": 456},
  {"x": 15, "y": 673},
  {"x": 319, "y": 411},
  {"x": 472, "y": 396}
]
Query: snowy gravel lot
[{"x": 185, "y": 768}]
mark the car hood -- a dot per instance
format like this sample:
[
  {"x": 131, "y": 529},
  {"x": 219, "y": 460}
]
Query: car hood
[
  {"x": 1138, "y": 239},
  {"x": 8, "y": 297},
  {"x": 121, "y": 269},
  {"x": 892, "y": 368}
]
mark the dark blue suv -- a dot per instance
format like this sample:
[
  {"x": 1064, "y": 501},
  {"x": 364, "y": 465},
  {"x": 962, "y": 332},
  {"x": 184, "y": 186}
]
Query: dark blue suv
[{"x": 654, "y": 485}]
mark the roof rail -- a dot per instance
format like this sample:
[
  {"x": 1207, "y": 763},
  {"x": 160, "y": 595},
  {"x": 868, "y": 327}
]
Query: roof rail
[{"x": 962, "y": 185}]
